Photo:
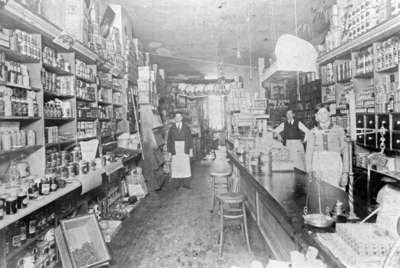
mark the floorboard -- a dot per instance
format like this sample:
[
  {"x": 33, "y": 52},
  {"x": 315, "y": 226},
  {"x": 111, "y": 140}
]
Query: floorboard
[{"x": 174, "y": 228}]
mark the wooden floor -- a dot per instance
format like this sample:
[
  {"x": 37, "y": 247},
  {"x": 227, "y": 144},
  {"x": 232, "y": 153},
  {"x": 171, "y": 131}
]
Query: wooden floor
[{"x": 174, "y": 228}]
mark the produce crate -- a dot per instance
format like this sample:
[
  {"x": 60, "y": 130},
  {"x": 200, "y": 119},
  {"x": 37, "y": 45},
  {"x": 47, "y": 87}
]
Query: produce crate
[{"x": 81, "y": 243}]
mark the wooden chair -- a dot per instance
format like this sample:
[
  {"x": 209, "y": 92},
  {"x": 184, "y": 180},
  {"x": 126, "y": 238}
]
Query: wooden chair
[
  {"x": 232, "y": 207},
  {"x": 220, "y": 184}
]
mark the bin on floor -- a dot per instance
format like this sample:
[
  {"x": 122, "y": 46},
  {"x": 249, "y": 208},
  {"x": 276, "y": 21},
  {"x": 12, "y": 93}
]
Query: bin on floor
[{"x": 81, "y": 243}]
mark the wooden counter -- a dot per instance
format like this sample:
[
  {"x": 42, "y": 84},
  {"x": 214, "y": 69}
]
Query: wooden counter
[{"x": 276, "y": 203}]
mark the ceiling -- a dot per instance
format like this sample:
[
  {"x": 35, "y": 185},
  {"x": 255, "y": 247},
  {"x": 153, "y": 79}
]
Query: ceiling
[{"x": 190, "y": 37}]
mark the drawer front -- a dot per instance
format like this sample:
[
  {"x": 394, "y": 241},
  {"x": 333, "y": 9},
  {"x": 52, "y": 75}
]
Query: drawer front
[
  {"x": 383, "y": 120},
  {"x": 396, "y": 140},
  {"x": 370, "y": 118},
  {"x": 359, "y": 121},
  {"x": 396, "y": 121},
  {"x": 360, "y": 139},
  {"x": 370, "y": 139}
]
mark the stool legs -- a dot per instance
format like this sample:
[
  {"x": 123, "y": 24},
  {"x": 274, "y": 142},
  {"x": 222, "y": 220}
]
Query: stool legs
[
  {"x": 213, "y": 193},
  {"x": 245, "y": 227},
  {"x": 221, "y": 236}
]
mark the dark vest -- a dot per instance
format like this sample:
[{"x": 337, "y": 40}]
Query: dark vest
[{"x": 292, "y": 131}]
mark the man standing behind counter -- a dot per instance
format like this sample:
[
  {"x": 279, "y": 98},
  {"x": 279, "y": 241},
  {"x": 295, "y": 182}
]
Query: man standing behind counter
[{"x": 292, "y": 132}]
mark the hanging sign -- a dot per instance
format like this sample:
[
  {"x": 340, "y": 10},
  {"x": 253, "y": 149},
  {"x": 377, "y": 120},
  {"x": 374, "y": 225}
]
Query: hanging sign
[{"x": 64, "y": 40}]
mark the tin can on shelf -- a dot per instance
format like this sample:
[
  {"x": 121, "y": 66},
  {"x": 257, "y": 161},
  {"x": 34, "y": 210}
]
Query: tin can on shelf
[
  {"x": 11, "y": 205},
  {"x": 22, "y": 199}
]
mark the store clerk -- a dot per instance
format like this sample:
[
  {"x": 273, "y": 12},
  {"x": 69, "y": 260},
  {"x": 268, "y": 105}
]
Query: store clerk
[
  {"x": 292, "y": 133},
  {"x": 327, "y": 156}
]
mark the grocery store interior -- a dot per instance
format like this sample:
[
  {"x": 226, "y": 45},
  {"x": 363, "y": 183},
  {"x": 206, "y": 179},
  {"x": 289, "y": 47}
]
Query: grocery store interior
[{"x": 204, "y": 134}]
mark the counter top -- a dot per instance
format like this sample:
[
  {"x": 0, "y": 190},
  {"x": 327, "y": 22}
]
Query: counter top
[{"x": 285, "y": 193}]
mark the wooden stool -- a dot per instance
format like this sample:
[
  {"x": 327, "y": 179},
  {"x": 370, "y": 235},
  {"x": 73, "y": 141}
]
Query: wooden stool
[
  {"x": 232, "y": 213},
  {"x": 219, "y": 184}
]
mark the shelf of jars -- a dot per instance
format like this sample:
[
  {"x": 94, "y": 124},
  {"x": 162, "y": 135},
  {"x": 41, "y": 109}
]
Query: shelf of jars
[{"x": 36, "y": 204}]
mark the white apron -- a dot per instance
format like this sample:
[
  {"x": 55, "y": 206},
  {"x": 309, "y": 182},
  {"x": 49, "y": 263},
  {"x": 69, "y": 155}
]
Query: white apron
[
  {"x": 180, "y": 163},
  {"x": 328, "y": 166},
  {"x": 296, "y": 153}
]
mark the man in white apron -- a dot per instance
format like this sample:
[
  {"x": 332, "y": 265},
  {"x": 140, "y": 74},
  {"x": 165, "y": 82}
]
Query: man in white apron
[
  {"x": 292, "y": 132},
  {"x": 180, "y": 148}
]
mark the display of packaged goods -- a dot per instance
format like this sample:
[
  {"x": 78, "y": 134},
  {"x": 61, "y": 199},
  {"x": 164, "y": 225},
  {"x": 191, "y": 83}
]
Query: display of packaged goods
[
  {"x": 327, "y": 74},
  {"x": 58, "y": 85},
  {"x": 364, "y": 62},
  {"x": 86, "y": 91},
  {"x": 118, "y": 113},
  {"x": 14, "y": 73},
  {"x": 52, "y": 58},
  {"x": 18, "y": 102},
  {"x": 387, "y": 54},
  {"x": 58, "y": 109},
  {"x": 342, "y": 70},
  {"x": 328, "y": 93},
  {"x": 22, "y": 42},
  {"x": 107, "y": 128},
  {"x": 86, "y": 111},
  {"x": 55, "y": 135},
  {"x": 105, "y": 112},
  {"x": 84, "y": 71},
  {"x": 306, "y": 78},
  {"x": 86, "y": 129}
]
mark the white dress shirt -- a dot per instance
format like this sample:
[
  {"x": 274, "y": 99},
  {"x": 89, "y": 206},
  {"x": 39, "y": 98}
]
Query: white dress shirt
[{"x": 302, "y": 127}]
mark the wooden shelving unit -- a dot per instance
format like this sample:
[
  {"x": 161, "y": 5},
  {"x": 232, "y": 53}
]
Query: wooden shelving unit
[{"x": 13, "y": 16}]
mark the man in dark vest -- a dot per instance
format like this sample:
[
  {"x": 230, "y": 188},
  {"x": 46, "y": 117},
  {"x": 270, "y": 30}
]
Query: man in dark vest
[
  {"x": 292, "y": 133},
  {"x": 180, "y": 148}
]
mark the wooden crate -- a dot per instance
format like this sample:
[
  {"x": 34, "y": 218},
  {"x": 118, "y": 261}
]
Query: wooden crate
[{"x": 77, "y": 233}]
